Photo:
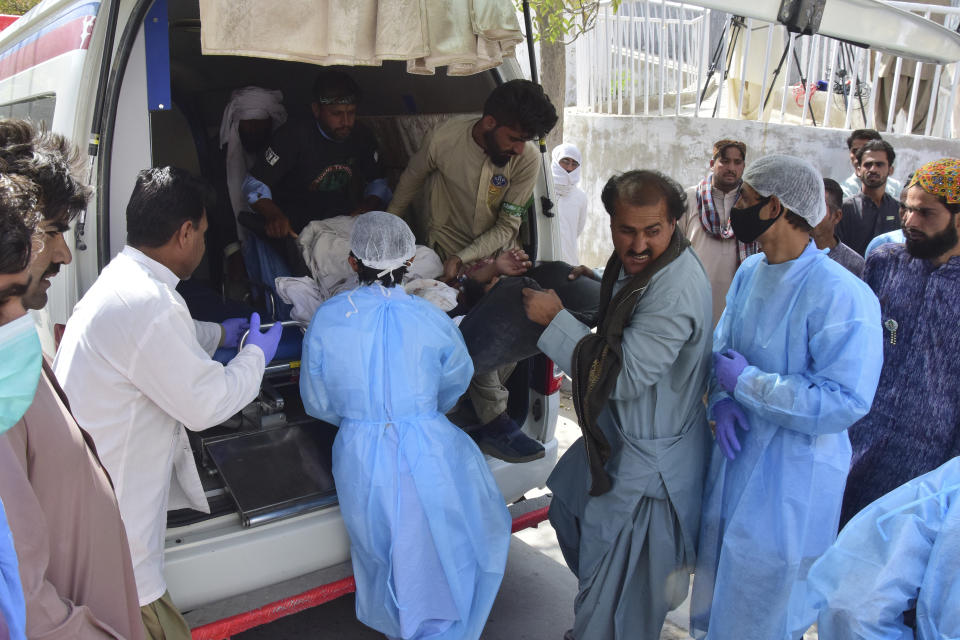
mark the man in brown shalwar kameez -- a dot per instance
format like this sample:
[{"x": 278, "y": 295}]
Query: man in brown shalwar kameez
[{"x": 71, "y": 545}]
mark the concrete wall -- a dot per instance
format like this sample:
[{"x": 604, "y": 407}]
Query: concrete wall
[{"x": 680, "y": 147}]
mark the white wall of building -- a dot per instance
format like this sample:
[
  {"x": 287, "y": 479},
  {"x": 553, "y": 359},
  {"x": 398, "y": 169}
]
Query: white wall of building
[{"x": 680, "y": 147}]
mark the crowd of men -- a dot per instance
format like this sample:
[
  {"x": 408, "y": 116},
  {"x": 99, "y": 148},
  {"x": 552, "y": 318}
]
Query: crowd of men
[{"x": 774, "y": 358}]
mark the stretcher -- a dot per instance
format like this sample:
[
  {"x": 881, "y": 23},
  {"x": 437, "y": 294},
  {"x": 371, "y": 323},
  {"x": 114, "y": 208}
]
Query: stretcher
[{"x": 274, "y": 461}]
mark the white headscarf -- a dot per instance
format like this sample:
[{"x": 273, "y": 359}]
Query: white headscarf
[
  {"x": 561, "y": 179},
  {"x": 248, "y": 103}
]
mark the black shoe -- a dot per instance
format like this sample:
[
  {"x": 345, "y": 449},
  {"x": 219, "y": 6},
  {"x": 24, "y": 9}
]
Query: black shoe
[{"x": 503, "y": 439}]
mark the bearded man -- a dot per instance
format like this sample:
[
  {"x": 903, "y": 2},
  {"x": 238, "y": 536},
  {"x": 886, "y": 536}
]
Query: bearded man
[{"x": 914, "y": 424}]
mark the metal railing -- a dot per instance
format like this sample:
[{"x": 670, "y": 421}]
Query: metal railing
[
  {"x": 643, "y": 59},
  {"x": 659, "y": 57}
]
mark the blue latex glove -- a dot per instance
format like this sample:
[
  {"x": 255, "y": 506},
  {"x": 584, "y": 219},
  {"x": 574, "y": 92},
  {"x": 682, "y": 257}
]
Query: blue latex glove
[
  {"x": 727, "y": 415},
  {"x": 266, "y": 342},
  {"x": 233, "y": 329},
  {"x": 729, "y": 366}
]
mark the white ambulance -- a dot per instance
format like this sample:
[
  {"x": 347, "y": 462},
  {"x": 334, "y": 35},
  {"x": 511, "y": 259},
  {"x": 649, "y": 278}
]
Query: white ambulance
[{"x": 126, "y": 80}]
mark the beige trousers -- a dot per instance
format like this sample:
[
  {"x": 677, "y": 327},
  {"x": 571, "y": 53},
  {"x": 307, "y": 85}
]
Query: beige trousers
[{"x": 162, "y": 620}]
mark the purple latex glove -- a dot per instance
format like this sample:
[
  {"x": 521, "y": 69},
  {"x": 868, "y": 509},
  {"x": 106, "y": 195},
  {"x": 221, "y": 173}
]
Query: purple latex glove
[
  {"x": 727, "y": 415},
  {"x": 729, "y": 366},
  {"x": 266, "y": 342},
  {"x": 233, "y": 329}
]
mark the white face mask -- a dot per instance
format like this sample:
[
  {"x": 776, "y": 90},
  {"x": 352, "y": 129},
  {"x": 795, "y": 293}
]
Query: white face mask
[
  {"x": 562, "y": 178},
  {"x": 21, "y": 358}
]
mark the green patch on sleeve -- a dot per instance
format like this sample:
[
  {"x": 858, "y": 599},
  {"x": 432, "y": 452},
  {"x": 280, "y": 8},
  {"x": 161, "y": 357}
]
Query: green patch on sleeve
[{"x": 514, "y": 210}]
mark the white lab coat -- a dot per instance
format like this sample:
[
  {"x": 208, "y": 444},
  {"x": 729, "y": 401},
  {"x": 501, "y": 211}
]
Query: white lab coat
[{"x": 137, "y": 369}]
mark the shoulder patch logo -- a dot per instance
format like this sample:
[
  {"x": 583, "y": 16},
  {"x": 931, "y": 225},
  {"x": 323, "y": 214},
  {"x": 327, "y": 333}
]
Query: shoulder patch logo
[
  {"x": 498, "y": 180},
  {"x": 271, "y": 156}
]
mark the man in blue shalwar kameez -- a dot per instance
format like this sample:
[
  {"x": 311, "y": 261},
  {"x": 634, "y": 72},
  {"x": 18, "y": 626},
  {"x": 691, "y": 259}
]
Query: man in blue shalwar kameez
[
  {"x": 797, "y": 357},
  {"x": 914, "y": 424},
  {"x": 626, "y": 496},
  {"x": 429, "y": 530}
]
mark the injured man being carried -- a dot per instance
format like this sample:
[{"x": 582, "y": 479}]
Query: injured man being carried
[
  {"x": 486, "y": 304},
  {"x": 325, "y": 245}
]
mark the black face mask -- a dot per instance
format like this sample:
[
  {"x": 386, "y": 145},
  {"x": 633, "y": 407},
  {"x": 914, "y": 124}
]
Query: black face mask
[{"x": 746, "y": 222}]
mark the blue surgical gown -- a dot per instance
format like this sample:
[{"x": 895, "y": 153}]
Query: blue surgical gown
[
  {"x": 429, "y": 530},
  {"x": 810, "y": 331},
  {"x": 12, "y": 606},
  {"x": 901, "y": 551}
]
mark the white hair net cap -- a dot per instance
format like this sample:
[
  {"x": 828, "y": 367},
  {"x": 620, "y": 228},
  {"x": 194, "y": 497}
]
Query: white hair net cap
[
  {"x": 795, "y": 182},
  {"x": 383, "y": 241}
]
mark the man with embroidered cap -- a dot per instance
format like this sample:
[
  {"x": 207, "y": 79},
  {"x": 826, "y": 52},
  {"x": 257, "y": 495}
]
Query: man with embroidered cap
[
  {"x": 796, "y": 358},
  {"x": 480, "y": 175},
  {"x": 706, "y": 223},
  {"x": 914, "y": 424},
  {"x": 626, "y": 504}
]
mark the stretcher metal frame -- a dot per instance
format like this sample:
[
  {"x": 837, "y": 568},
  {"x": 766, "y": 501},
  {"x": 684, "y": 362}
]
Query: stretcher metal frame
[{"x": 277, "y": 368}]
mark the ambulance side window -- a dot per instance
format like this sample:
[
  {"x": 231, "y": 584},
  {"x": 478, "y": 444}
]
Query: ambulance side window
[{"x": 39, "y": 109}]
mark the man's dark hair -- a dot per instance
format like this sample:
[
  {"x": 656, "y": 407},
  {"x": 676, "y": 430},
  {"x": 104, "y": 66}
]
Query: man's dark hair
[
  {"x": 862, "y": 134},
  {"x": 19, "y": 218},
  {"x": 795, "y": 220},
  {"x": 641, "y": 188},
  {"x": 877, "y": 145},
  {"x": 722, "y": 145},
  {"x": 48, "y": 160},
  {"x": 834, "y": 192},
  {"x": 368, "y": 275},
  {"x": 335, "y": 87},
  {"x": 162, "y": 200},
  {"x": 15, "y": 241},
  {"x": 522, "y": 105}
]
